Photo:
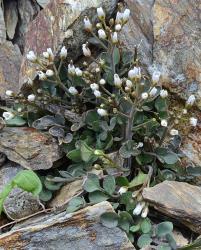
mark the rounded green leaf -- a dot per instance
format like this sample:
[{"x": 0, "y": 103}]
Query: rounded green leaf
[
  {"x": 98, "y": 196},
  {"x": 144, "y": 240},
  {"x": 109, "y": 219},
  {"x": 75, "y": 204},
  {"x": 135, "y": 228},
  {"x": 164, "y": 228},
  {"x": 146, "y": 226},
  {"x": 109, "y": 184},
  {"x": 92, "y": 183}
]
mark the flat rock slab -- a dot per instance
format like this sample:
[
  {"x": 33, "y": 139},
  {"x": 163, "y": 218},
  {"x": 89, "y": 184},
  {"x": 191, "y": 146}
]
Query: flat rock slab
[
  {"x": 19, "y": 203},
  {"x": 80, "y": 230},
  {"x": 178, "y": 200},
  {"x": 30, "y": 148},
  {"x": 60, "y": 22}
]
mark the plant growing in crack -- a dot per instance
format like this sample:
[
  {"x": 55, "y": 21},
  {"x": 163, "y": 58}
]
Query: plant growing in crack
[{"x": 109, "y": 115}]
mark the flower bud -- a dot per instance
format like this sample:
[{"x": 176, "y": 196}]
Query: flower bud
[
  {"x": 117, "y": 81},
  {"x": 7, "y": 115},
  {"x": 73, "y": 91},
  {"x": 164, "y": 123},
  {"x": 29, "y": 81},
  {"x": 31, "y": 98},
  {"x": 71, "y": 69},
  {"x": 138, "y": 208},
  {"x": 102, "y": 81},
  {"x": 144, "y": 95},
  {"x": 145, "y": 212},
  {"x": 102, "y": 34},
  {"x": 115, "y": 38},
  {"x": 63, "y": 52},
  {"x": 9, "y": 93},
  {"x": 94, "y": 86},
  {"x": 97, "y": 71},
  {"x": 86, "y": 50},
  {"x": 174, "y": 132},
  {"x": 134, "y": 73},
  {"x": 31, "y": 56},
  {"x": 102, "y": 112},
  {"x": 156, "y": 76},
  {"x": 193, "y": 121},
  {"x": 101, "y": 13},
  {"x": 190, "y": 100},
  {"x": 19, "y": 110},
  {"x": 129, "y": 84},
  {"x": 153, "y": 92},
  {"x": 87, "y": 24},
  {"x": 127, "y": 89},
  {"x": 184, "y": 111},
  {"x": 118, "y": 27},
  {"x": 97, "y": 93},
  {"x": 163, "y": 93},
  {"x": 123, "y": 190},
  {"x": 126, "y": 15},
  {"x": 119, "y": 18},
  {"x": 42, "y": 75},
  {"x": 49, "y": 72},
  {"x": 78, "y": 72}
]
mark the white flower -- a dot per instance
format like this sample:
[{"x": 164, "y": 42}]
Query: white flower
[
  {"x": 134, "y": 73},
  {"x": 31, "y": 98},
  {"x": 117, "y": 80},
  {"x": 51, "y": 55},
  {"x": 126, "y": 15},
  {"x": 39, "y": 91},
  {"x": 138, "y": 208},
  {"x": 144, "y": 95},
  {"x": 101, "y": 13},
  {"x": 184, "y": 111},
  {"x": 174, "y": 132},
  {"x": 164, "y": 123},
  {"x": 193, "y": 121},
  {"x": 119, "y": 17},
  {"x": 123, "y": 190},
  {"x": 190, "y": 100},
  {"x": 97, "y": 93},
  {"x": 145, "y": 212},
  {"x": 156, "y": 76},
  {"x": 86, "y": 50},
  {"x": 71, "y": 69},
  {"x": 102, "y": 81},
  {"x": 115, "y": 37},
  {"x": 163, "y": 93},
  {"x": 87, "y": 24},
  {"x": 9, "y": 92},
  {"x": 129, "y": 84},
  {"x": 102, "y": 34},
  {"x": 94, "y": 86},
  {"x": 153, "y": 92},
  {"x": 31, "y": 56},
  {"x": 118, "y": 27},
  {"x": 19, "y": 110},
  {"x": 46, "y": 54},
  {"x": 7, "y": 115},
  {"x": 102, "y": 112},
  {"x": 49, "y": 72},
  {"x": 63, "y": 52},
  {"x": 73, "y": 91},
  {"x": 42, "y": 75},
  {"x": 140, "y": 145},
  {"x": 97, "y": 70},
  {"x": 78, "y": 72}
]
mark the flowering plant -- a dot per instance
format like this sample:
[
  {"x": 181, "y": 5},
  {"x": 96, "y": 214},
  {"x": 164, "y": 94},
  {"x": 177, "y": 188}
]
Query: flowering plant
[{"x": 107, "y": 114}]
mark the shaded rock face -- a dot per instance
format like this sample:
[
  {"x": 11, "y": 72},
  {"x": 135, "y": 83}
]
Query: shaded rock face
[
  {"x": 60, "y": 22},
  {"x": 178, "y": 200},
  {"x": 177, "y": 42},
  {"x": 30, "y": 148},
  {"x": 80, "y": 230},
  {"x": 19, "y": 203},
  {"x": 10, "y": 61},
  {"x": 138, "y": 32}
]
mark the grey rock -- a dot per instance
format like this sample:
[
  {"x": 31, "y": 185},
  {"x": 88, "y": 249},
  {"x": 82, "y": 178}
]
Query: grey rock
[
  {"x": 177, "y": 44},
  {"x": 2, "y": 24},
  {"x": 19, "y": 203},
  {"x": 11, "y": 17},
  {"x": 80, "y": 230},
  {"x": 139, "y": 29},
  {"x": 178, "y": 200},
  {"x": 30, "y": 148},
  {"x": 10, "y": 61}
]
